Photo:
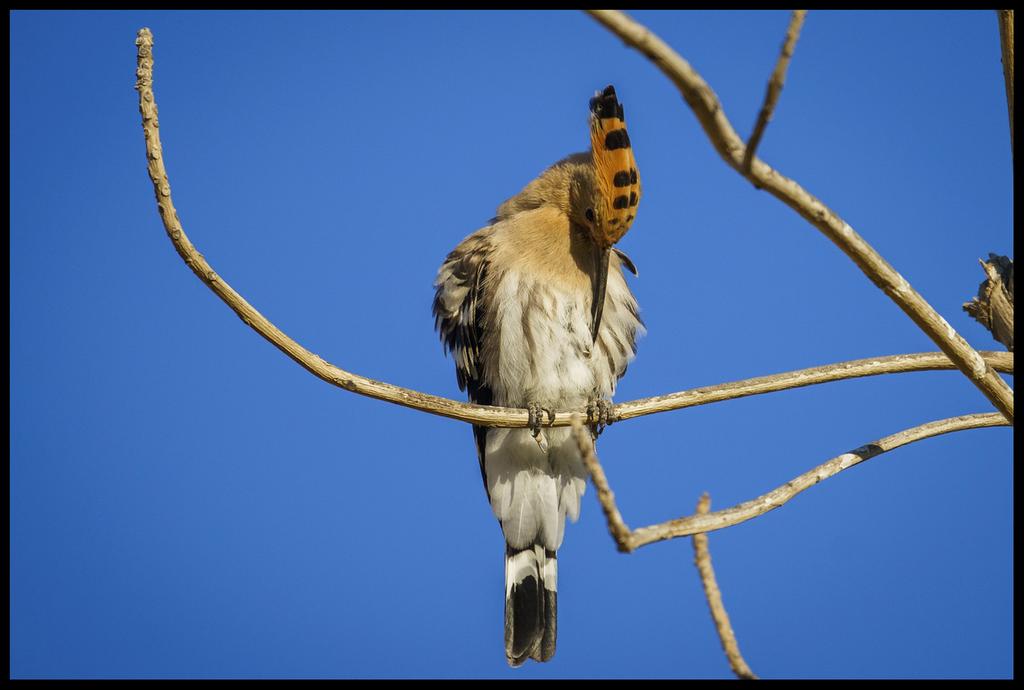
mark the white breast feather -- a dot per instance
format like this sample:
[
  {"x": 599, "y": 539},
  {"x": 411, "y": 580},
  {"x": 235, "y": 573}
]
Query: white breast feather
[{"x": 532, "y": 493}]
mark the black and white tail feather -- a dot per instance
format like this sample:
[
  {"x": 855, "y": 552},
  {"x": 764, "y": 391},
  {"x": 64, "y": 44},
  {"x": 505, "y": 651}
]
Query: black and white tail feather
[{"x": 531, "y": 603}]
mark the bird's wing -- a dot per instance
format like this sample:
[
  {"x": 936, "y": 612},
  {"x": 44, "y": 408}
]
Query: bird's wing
[
  {"x": 622, "y": 318},
  {"x": 458, "y": 317}
]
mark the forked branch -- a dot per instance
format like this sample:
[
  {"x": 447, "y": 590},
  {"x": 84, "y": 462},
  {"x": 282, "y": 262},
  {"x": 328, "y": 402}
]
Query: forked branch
[
  {"x": 775, "y": 84},
  {"x": 708, "y": 109}
]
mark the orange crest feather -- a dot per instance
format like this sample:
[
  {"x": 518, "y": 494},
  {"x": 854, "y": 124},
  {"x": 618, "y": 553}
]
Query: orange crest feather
[{"x": 614, "y": 165}]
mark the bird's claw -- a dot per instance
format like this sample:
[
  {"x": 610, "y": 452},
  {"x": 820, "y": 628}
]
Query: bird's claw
[
  {"x": 600, "y": 413},
  {"x": 536, "y": 420}
]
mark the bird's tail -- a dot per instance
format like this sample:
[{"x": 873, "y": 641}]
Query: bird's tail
[{"x": 531, "y": 603}]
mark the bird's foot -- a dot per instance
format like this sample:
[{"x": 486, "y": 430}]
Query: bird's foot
[
  {"x": 600, "y": 413},
  {"x": 535, "y": 422}
]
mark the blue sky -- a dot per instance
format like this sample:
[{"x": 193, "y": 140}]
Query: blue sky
[{"x": 188, "y": 502}]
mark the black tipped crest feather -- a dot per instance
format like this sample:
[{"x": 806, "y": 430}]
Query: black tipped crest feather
[{"x": 615, "y": 169}]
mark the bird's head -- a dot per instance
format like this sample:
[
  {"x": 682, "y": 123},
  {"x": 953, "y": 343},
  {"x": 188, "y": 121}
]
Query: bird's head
[
  {"x": 607, "y": 205},
  {"x": 599, "y": 191}
]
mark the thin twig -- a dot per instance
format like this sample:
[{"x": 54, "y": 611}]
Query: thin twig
[
  {"x": 467, "y": 412},
  {"x": 694, "y": 524},
  {"x": 702, "y": 559},
  {"x": 585, "y": 443},
  {"x": 775, "y": 84},
  {"x": 708, "y": 109},
  {"x": 1006, "y": 43}
]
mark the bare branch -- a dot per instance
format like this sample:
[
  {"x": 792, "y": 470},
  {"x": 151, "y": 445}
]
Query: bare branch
[
  {"x": 708, "y": 109},
  {"x": 781, "y": 495},
  {"x": 585, "y": 443},
  {"x": 702, "y": 559},
  {"x": 467, "y": 412},
  {"x": 993, "y": 307},
  {"x": 775, "y": 84},
  {"x": 1006, "y": 42},
  {"x": 922, "y": 361},
  {"x": 477, "y": 414},
  {"x": 630, "y": 540}
]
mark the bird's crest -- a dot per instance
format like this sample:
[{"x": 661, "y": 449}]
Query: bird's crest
[{"x": 614, "y": 164}]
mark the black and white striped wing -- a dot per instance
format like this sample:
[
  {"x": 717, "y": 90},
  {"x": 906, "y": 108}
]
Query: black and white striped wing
[{"x": 459, "y": 318}]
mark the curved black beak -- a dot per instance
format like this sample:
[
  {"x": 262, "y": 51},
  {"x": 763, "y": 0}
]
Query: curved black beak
[{"x": 599, "y": 284}]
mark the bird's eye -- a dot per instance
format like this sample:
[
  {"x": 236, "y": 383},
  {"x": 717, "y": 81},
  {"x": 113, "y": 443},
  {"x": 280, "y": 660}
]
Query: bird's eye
[{"x": 590, "y": 214}]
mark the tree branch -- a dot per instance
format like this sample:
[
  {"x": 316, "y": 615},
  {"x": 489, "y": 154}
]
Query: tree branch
[
  {"x": 1006, "y": 44},
  {"x": 630, "y": 540},
  {"x": 477, "y": 414},
  {"x": 708, "y": 109},
  {"x": 702, "y": 559},
  {"x": 775, "y": 84},
  {"x": 922, "y": 361},
  {"x": 468, "y": 412}
]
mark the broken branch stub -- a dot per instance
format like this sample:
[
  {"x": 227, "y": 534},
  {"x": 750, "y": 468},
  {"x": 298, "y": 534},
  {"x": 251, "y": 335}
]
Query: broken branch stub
[{"x": 993, "y": 307}]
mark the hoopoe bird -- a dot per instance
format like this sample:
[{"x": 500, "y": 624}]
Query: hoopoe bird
[{"x": 535, "y": 311}]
